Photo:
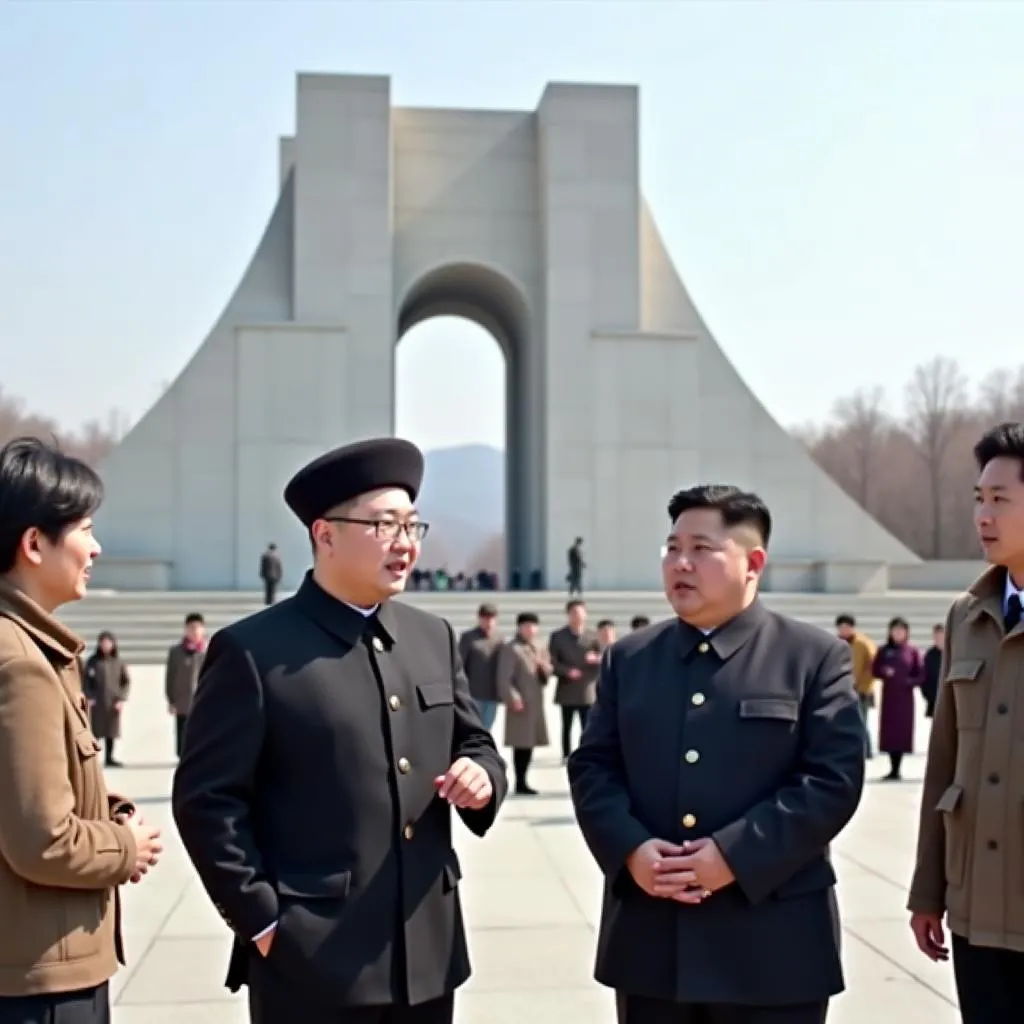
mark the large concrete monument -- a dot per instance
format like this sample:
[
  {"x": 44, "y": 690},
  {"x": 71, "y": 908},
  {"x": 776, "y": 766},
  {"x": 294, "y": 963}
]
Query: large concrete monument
[{"x": 533, "y": 225}]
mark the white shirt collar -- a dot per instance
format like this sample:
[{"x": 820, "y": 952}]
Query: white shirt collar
[
  {"x": 365, "y": 612},
  {"x": 1010, "y": 591}
]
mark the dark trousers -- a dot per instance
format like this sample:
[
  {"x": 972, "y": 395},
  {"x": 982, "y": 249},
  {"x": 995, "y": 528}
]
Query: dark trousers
[
  {"x": 641, "y": 1010},
  {"x": 88, "y": 1006},
  {"x": 989, "y": 983},
  {"x": 269, "y": 591},
  {"x": 864, "y": 700},
  {"x": 179, "y": 733},
  {"x": 285, "y": 1005},
  {"x": 108, "y": 743},
  {"x": 568, "y": 714},
  {"x": 521, "y": 758}
]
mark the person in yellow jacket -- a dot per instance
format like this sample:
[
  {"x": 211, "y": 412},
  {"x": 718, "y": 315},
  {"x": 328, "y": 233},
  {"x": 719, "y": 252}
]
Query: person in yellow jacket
[{"x": 863, "y": 651}]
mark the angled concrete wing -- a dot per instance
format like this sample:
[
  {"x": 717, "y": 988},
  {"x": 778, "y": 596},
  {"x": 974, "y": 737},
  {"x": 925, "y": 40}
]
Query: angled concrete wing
[{"x": 532, "y": 224}]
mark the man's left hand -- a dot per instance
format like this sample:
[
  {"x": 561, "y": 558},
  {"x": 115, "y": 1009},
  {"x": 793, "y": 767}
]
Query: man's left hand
[
  {"x": 465, "y": 785},
  {"x": 692, "y": 876}
]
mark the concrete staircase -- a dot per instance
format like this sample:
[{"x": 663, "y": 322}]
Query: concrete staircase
[{"x": 146, "y": 624}]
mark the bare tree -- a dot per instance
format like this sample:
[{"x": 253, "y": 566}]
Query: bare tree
[
  {"x": 864, "y": 425},
  {"x": 936, "y": 409},
  {"x": 1001, "y": 396},
  {"x": 92, "y": 443}
]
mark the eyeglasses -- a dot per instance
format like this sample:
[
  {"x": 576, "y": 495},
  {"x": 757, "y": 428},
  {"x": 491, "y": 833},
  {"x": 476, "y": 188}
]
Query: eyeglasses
[{"x": 387, "y": 529}]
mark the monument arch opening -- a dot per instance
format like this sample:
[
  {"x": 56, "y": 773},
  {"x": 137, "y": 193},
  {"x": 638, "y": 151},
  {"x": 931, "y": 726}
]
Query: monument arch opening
[{"x": 481, "y": 507}]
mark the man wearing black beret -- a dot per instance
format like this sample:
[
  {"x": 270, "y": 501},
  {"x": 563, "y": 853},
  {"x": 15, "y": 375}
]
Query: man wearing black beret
[{"x": 330, "y": 736}]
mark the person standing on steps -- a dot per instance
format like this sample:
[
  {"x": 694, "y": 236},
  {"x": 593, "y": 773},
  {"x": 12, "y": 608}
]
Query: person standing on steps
[
  {"x": 331, "y": 737},
  {"x": 575, "y": 656},
  {"x": 66, "y": 843},
  {"x": 970, "y": 840},
  {"x": 523, "y": 671},
  {"x": 106, "y": 684},
  {"x": 574, "y": 577},
  {"x": 181, "y": 675},
  {"x": 271, "y": 573}
]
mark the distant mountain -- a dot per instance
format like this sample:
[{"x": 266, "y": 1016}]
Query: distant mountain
[{"x": 463, "y": 499}]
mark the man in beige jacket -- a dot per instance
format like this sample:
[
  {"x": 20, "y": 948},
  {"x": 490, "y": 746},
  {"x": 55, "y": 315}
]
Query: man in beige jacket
[
  {"x": 970, "y": 845},
  {"x": 65, "y": 843},
  {"x": 862, "y": 651}
]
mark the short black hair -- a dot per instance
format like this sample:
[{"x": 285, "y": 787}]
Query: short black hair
[
  {"x": 604, "y": 623},
  {"x": 194, "y": 617},
  {"x": 846, "y": 619},
  {"x": 938, "y": 626},
  {"x": 527, "y": 619},
  {"x": 639, "y": 621},
  {"x": 576, "y": 602},
  {"x": 42, "y": 488},
  {"x": 736, "y": 507},
  {"x": 1004, "y": 441}
]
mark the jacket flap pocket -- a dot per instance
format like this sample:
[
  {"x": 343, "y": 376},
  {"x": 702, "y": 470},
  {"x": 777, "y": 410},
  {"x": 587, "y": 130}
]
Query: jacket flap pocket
[
  {"x": 813, "y": 878},
  {"x": 433, "y": 694},
  {"x": 950, "y": 800},
  {"x": 965, "y": 670},
  {"x": 783, "y": 709},
  {"x": 88, "y": 745},
  {"x": 315, "y": 887}
]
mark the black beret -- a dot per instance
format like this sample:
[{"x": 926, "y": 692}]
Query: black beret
[{"x": 355, "y": 469}]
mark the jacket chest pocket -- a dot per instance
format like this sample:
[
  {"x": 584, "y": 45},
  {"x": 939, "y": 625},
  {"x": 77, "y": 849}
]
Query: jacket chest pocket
[
  {"x": 771, "y": 724},
  {"x": 86, "y": 749},
  {"x": 779, "y": 712},
  {"x": 969, "y": 695},
  {"x": 435, "y": 696}
]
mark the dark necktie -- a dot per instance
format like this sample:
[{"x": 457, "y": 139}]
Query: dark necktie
[{"x": 1013, "y": 612}]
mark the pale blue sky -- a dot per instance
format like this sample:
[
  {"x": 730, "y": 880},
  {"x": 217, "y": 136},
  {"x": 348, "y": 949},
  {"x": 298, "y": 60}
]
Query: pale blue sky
[{"x": 839, "y": 183}]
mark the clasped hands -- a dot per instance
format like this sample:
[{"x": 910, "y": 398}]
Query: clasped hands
[{"x": 687, "y": 874}]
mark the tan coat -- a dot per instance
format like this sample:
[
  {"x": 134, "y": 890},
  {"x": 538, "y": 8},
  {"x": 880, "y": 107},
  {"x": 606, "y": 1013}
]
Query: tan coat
[
  {"x": 970, "y": 847},
  {"x": 522, "y": 671},
  {"x": 62, "y": 854},
  {"x": 863, "y": 651}
]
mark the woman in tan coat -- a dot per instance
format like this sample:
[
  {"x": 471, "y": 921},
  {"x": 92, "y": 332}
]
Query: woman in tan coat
[
  {"x": 522, "y": 673},
  {"x": 65, "y": 843}
]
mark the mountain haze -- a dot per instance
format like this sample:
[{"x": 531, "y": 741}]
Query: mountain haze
[{"x": 463, "y": 499}]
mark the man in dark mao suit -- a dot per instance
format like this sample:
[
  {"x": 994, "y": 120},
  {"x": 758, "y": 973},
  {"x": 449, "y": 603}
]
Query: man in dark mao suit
[
  {"x": 724, "y": 753},
  {"x": 330, "y": 737}
]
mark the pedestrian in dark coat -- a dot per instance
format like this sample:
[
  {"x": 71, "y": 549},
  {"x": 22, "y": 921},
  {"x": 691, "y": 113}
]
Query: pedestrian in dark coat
[
  {"x": 575, "y": 656},
  {"x": 329, "y": 739},
  {"x": 723, "y": 755},
  {"x": 933, "y": 670},
  {"x": 106, "y": 683},
  {"x": 900, "y": 666}
]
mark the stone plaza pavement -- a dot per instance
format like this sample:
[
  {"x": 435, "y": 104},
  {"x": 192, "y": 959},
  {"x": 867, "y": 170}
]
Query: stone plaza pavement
[{"x": 531, "y": 895}]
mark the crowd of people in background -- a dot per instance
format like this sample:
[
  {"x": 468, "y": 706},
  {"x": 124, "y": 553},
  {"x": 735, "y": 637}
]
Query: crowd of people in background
[
  {"x": 903, "y": 672},
  {"x": 721, "y": 755}
]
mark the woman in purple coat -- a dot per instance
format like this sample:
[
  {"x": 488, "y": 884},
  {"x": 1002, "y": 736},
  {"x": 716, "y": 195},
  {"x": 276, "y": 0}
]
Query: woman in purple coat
[{"x": 900, "y": 666}]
